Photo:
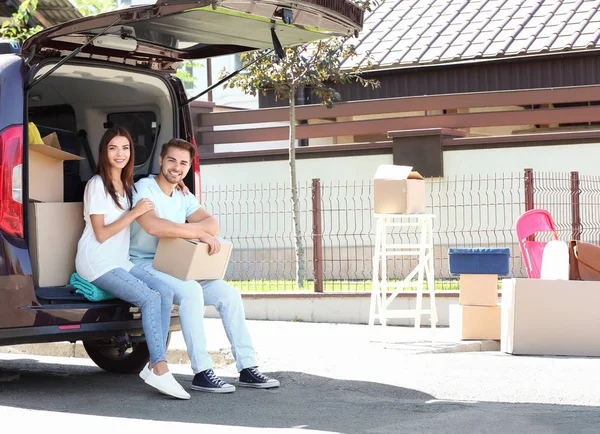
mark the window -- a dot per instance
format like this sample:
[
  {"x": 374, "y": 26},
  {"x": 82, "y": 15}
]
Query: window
[
  {"x": 237, "y": 62},
  {"x": 143, "y": 129}
]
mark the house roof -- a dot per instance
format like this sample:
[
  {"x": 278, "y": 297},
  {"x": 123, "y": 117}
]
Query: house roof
[
  {"x": 58, "y": 11},
  {"x": 48, "y": 13},
  {"x": 401, "y": 33}
]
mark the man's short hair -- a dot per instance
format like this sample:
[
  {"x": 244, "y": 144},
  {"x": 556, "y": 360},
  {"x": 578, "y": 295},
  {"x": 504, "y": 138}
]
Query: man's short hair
[{"x": 181, "y": 144}]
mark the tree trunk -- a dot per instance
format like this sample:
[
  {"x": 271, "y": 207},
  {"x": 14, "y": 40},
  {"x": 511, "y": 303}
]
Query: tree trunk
[{"x": 295, "y": 201}]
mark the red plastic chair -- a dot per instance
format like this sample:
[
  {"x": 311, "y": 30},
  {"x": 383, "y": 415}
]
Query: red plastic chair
[{"x": 530, "y": 222}]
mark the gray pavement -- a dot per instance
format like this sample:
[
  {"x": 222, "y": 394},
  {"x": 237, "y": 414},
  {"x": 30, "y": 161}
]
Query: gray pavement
[
  {"x": 405, "y": 339},
  {"x": 335, "y": 378}
]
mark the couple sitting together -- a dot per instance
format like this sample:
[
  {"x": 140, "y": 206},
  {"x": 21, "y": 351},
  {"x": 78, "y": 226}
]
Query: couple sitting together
[{"x": 123, "y": 223}]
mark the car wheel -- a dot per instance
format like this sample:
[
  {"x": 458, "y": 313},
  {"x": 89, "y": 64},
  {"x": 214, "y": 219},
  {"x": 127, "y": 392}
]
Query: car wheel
[{"x": 116, "y": 359}]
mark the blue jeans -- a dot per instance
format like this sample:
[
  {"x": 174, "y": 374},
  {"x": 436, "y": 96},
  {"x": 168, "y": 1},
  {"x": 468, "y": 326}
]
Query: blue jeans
[
  {"x": 191, "y": 296},
  {"x": 152, "y": 296}
]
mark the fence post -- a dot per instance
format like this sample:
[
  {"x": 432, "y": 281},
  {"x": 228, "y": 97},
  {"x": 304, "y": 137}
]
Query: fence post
[
  {"x": 528, "y": 178},
  {"x": 317, "y": 235},
  {"x": 575, "y": 210},
  {"x": 528, "y": 189}
]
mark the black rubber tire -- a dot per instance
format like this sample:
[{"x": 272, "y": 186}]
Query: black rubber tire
[{"x": 108, "y": 358}]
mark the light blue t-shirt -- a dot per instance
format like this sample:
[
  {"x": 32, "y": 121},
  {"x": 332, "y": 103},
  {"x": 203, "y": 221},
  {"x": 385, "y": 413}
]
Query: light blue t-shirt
[{"x": 176, "y": 208}]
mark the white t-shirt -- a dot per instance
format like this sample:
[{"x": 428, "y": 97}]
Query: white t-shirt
[
  {"x": 94, "y": 259},
  {"x": 176, "y": 208}
]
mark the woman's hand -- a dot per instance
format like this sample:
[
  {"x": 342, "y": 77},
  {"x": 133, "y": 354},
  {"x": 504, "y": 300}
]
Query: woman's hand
[
  {"x": 183, "y": 188},
  {"x": 142, "y": 207}
]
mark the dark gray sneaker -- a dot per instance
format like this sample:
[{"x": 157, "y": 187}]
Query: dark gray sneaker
[
  {"x": 207, "y": 381},
  {"x": 252, "y": 377}
]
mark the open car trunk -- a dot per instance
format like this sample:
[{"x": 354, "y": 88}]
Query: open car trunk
[
  {"x": 160, "y": 36},
  {"x": 76, "y": 104}
]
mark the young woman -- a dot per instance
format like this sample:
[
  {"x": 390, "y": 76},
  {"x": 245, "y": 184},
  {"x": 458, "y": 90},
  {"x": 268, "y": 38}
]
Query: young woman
[{"x": 103, "y": 253}]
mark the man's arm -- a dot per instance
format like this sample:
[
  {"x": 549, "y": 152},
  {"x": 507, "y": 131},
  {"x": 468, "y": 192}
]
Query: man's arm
[
  {"x": 163, "y": 228},
  {"x": 203, "y": 220}
]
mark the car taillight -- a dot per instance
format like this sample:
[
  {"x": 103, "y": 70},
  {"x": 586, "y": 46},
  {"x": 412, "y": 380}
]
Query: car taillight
[
  {"x": 196, "y": 169},
  {"x": 11, "y": 181}
]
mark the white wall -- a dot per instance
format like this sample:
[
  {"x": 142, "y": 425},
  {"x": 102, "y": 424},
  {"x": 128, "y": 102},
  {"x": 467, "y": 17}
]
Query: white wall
[
  {"x": 340, "y": 169},
  {"x": 560, "y": 158}
]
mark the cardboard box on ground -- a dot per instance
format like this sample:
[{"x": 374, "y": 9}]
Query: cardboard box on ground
[
  {"x": 475, "y": 322},
  {"x": 550, "y": 317},
  {"x": 189, "y": 259},
  {"x": 54, "y": 226},
  {"x": 398, "y": 190}
]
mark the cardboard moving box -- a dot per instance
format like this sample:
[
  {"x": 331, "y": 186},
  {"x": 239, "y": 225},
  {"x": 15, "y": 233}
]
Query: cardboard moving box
[
  {"x": 189, "y": 259},
  {"x": 46, "y": 182},
  {"x": 397, "y": 190},
  {"x": 475, "y": 322},
  {"x": 478, "y": 290},
  {"x": 54, "y": 231},
  {"x": 550, "y": 317}
]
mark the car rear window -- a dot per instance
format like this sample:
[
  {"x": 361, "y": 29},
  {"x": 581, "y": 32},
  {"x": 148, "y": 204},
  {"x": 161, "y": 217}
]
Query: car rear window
[{"x": 143, "y": 128}]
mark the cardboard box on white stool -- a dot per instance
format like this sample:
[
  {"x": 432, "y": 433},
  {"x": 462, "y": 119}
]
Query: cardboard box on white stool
[
  {"x": 398, "y": 190},
  {"x": 550, "y": 317}
]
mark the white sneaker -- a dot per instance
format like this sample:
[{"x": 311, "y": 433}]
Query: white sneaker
[
  {"x": 167, "y": 384},
  {"x": 145, "y": 372}
]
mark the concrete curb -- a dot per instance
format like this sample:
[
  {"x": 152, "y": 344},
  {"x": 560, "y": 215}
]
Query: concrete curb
[
  {"x": 468, "y": 347},
  {"x": 220, "y": 358}
]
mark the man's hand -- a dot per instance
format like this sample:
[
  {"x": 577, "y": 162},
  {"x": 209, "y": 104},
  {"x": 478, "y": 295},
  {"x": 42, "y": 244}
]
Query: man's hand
[{"x": 213, "y": 243}]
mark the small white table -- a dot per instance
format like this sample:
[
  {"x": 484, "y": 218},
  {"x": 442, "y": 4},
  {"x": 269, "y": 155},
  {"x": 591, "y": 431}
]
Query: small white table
[{"x": 380, "y": 301}]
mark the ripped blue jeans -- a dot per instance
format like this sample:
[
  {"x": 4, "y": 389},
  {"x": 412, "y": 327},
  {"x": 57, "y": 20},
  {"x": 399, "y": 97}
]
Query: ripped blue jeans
[{"x": 152, "y": 296}]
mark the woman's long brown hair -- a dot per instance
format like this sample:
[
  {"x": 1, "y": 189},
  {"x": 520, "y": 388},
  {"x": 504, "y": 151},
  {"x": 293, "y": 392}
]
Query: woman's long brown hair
[{"x": 103, "y": 168}]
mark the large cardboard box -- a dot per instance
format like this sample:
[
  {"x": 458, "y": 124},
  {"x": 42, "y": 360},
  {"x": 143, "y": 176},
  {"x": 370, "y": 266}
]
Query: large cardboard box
[
  {"x": 189, "y": 259},
  {"x": 550, "y": 317},
  {"x": 475, "y": 322},
  {"x": 46, "y": 170},
  {"x": 478, "y": 290},
  {"x": 54, "y": 231},
  {"x": 398, "y": 190}
]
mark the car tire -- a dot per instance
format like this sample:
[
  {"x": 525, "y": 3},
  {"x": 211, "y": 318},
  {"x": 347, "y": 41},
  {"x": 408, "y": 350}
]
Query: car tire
[{"x": 111, "y": 359}]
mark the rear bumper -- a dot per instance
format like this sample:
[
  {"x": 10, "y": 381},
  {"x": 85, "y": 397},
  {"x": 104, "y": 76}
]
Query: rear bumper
[{"x": 35, "y": 335}]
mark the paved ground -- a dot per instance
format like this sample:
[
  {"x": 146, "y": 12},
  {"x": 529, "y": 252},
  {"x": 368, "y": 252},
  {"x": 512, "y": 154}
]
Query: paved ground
[{"x": 346, "y": 379}]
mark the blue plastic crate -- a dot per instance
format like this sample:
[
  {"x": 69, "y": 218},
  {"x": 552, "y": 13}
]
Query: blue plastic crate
[{"x": 479, "y": 261}]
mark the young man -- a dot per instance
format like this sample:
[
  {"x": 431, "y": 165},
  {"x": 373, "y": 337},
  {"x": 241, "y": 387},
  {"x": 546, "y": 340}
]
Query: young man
[{"x": 181, "y": 216}]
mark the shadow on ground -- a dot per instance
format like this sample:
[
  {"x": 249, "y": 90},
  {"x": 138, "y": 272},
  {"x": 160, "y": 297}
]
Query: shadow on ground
[{"x": 304, "y": 400}]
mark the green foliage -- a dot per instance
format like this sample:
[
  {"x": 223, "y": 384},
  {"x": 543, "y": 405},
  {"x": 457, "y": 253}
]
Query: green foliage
[
  {"x": 17, "y": 27},
  {"x": 315, "y": 66},
  {"x": 94, "y": 7},
  {"x": 184, "y": 73}
]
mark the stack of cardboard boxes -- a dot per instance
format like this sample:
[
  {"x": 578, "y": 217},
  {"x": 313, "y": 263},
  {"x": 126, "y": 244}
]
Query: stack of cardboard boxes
[
  {"x": 54, "y": 226},
  {"x": 478, "y": 314}
]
